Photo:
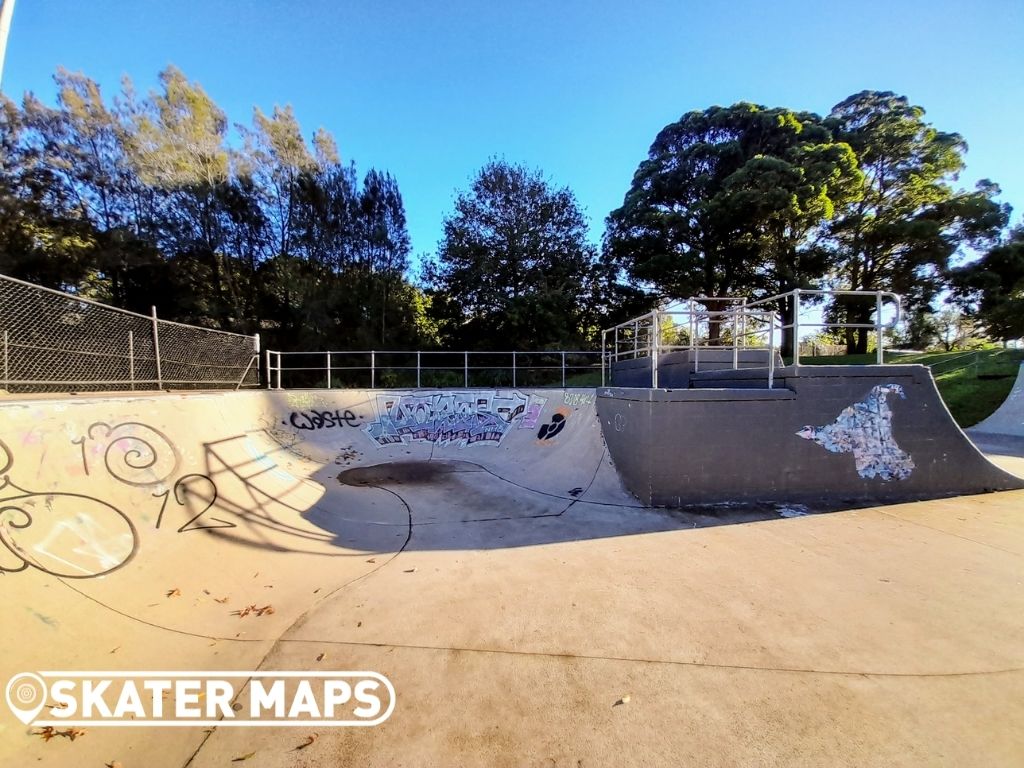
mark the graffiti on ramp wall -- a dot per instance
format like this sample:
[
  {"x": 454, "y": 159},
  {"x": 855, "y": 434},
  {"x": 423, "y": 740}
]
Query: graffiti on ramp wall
[
  {"x": 478, "y": 417},
  {"x": 865, "y": 430}
]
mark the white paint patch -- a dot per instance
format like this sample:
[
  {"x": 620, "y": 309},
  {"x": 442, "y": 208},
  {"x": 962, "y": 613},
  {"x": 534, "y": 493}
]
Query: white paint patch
[{"x": 792, "y": 510}]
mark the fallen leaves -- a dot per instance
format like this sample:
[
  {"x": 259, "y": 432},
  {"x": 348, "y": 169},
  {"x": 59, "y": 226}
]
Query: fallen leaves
[
  {"x": 48, "y": 732},
  {"x": 243, "y": 758},
  {"x": 624, "y": 700},
  {"x": 259, "y": 611},
  {"x": 113, "y": 764},
  {"x": 409, "y": 570},
  {"x": 173, "y": 592},
  {"x": 308, "y": 742},
  {"x": 321, "y": 657},
  {"x": 220, "y": 600}
]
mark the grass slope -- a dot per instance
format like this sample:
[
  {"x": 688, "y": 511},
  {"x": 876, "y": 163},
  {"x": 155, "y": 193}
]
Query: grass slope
[{"x": 973, "y": 384}]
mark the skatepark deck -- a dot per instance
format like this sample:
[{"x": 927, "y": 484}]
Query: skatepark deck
[{"x": 479, "y": 548}]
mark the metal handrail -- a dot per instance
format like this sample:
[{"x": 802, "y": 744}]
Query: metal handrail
[
  {"x": 877, "y": 326},
  {"x": 643, "y": 334},
  {"x": 328, "y": 366}
]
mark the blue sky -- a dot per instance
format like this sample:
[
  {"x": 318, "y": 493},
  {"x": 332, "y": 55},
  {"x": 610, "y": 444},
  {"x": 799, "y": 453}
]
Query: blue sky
[{"x": 430, "y": 91}]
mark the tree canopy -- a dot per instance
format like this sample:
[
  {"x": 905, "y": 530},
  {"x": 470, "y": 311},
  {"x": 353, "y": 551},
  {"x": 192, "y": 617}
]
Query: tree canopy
[
  {"x": 726, "y": 200},
  {"x": 901, "y": 232},
  {"x": 144, "y": 200},
  {"x": 992, "y": 288},
  {"x": 158, "y": 198},
  {"x": 514, "y": 269}
]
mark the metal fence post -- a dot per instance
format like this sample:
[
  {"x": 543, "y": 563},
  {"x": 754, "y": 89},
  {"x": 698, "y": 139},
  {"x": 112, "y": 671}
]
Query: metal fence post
[
  {"x": 156, "y": 350},
  {"x": 879, "y": 355},
  {"x": 373, "y": 369},
  {"x": 604, "y": 338},
  {"x": 655, "y": 348},
  {"x": 131, "y": 359},
  {"x": 796, "y": 327},
  {"x": 7, "y": 370},
  {"x": 563, "y": 370},
  {"x": 735, "y": 342},
  {"x": 328, "y": 370},
  {"x": 465, "y": 369},
  {"x": 771, "y": 348},
  {"x": 513, "y": 369},
  {"x": 417, "y": 370}
]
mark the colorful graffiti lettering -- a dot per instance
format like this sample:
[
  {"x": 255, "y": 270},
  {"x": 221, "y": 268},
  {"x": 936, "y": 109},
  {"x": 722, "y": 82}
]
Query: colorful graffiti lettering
[
  {"x": 865, "y": 430},
  {"x": 451, "y": 418}
]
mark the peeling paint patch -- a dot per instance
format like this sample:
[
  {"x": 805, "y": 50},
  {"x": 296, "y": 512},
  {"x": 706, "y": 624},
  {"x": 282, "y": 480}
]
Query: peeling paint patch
[{"x": 865, "y": 430}]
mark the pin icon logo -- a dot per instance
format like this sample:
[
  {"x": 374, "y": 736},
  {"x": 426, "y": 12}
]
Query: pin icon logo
[{"x": 26, "y": 695}]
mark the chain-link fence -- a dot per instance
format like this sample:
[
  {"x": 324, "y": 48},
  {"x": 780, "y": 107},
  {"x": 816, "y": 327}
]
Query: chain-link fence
[{"x": 56, "y": 342}]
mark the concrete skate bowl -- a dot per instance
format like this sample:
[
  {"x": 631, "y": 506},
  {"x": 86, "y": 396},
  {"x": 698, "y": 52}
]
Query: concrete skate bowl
[
  {"x": 212, "y": 495},
  {"x": 219, "y": 530},
  {"x": 134, "y": 502}
]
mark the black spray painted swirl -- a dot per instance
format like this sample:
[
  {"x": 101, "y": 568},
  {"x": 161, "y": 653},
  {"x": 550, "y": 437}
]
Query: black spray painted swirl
[
  {"x": 133, "y": 453},
  {"x": 65, "y": 534}
]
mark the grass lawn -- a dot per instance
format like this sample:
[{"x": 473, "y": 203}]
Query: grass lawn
[{"x": 973, "y": 384}]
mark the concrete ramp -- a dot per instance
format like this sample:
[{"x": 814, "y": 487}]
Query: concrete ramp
[
  {"x": 853, "y": 434},
  {"x": 1008, "y": 418}
]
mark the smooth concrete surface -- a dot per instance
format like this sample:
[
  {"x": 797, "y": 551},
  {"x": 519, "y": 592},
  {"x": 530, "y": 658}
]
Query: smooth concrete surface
[
  {"x": 1008, "y": 418},
  {"x": 509, "y": 587},
  {"x": 859, "y": 433}
]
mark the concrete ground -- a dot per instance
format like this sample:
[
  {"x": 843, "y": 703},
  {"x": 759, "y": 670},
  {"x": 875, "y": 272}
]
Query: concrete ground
[{"x": 526, "y": 615}]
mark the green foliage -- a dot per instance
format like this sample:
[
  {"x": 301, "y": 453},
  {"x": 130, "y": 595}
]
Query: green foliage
[
  {"x": 726, "y": 201},
  {"x": 514, "y": 270},
  {"x": 992, "y": 288},
  {"x": 907, "y": 223},
  {"x": 142, "y": 201}
]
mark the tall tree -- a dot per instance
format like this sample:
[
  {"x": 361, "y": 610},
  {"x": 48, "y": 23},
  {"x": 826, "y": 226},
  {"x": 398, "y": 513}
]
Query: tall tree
[
  {"x": 179, "y": 148},
  {"x": 908, "y": 222},
  {"x": 726, "y": 200},
  {"x": 992, "y": 288},
  {"x": 513, "y": 266}
]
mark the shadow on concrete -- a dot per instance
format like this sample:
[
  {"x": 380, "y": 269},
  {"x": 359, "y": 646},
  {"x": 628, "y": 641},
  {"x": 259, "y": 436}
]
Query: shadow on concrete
[{"x": 429, "y": 504}]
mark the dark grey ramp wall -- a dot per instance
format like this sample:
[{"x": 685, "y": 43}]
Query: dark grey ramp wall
[{"x": 693, "y": 446}]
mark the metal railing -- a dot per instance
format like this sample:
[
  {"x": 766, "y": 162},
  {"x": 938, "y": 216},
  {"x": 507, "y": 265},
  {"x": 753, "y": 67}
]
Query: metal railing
[
  {"x": 402, "y": 369},
  {"x": 692, "y": 327},
  {"x": 877, "y": 326},
  {"x": 741, "y": 325},
  {"x": 58, "y": 342}
]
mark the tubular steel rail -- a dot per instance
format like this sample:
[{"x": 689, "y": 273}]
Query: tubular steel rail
[
  {"x": 58, "y": 342},
  {"x": 739, "y": 324},
  {"x": 434, "y": 369}
]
